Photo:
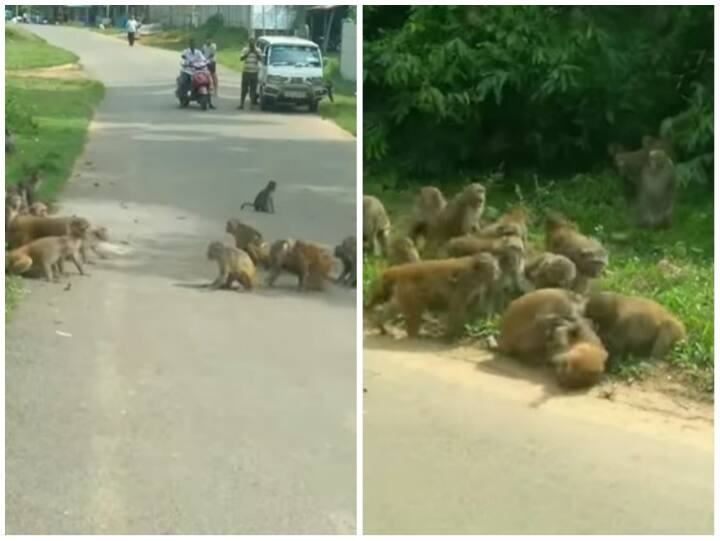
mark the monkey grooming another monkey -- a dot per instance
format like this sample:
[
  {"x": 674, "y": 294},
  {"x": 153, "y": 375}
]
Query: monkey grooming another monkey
[
  {"x": 461, "y": 216},
  {"x": 551, "y": 270},
  {"x": 234, "y": 265},
  {"x": 428, "y": 204},
  {"x": 48, "y": 253},
  {"x": 346, "y": 252},
  {"x": 311, "y": 264},
  {"x": 376, "y": 225},
  {"x": 590, "y": 258},
  {"x": 634, "y": 325},
  {"x": 403, "y": 250},
  {"x": 656, "y": 191},
  {"x": 451, "y": 284},
  {"x": 263, "y": 200}
]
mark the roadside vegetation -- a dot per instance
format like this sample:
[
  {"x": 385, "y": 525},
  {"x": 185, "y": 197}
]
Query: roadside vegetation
[
  {"x": 48, "y": 116},
  {"x": 527, "y": 99},
  {"x": 230, "y": 43}
]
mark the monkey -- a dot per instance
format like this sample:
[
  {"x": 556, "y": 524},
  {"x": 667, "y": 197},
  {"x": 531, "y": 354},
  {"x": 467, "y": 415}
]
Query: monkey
[
  {"x": 650, "y": 142},
  {"x": 551, "y": 270},
  {"x": 634, "y": 325},
  {"x": 376, "y": 225},
  {"x": 509, "y": 252},
  {"x": 28, "y": 187},
  {"x": 512, "y": 223},
  {"x": 428, "y": 203},
  {"x": 403, "y": 250},
  {"x": 263, "y": 200},
  {"x": 656, "y": 191},
  {"x": 347, "y": 254},
  {"x": 576, "y": 353},
  {"x": 461, "y": 216},
  {"x": 13, "y": 207},
  {"x": 234, "y": 265},
  {"x": 589, "y": 256},
  {"x": 242, "y": 233},
  {"x": 452, "y": 284},
  {"x": 259, "y": 252},
  {"x": 26, "y": 228},
  {"x": 49, "y": 252},
  {"x": 38, "y": 209},
  {"x": 630, "y": 164},
  {"x": 311, "y": 264},
  {"x": 92, "y": 238},
  {"x": 528, "y": 322}
]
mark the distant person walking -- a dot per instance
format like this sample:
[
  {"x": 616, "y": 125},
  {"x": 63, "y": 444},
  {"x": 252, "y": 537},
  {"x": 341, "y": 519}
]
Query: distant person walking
[
  {"x": 251, "y": 58},
  {"x": 131, "y": 28}
]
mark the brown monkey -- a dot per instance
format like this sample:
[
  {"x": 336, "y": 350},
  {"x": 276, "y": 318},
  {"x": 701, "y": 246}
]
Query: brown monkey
[
  {"x": 460, "y": 216},
  {"x": 234, "y": 265},
  {"x": 512, "y": 223},
  {"x": 28, "y": 188},
  {"x": 48, "y": 253},
  {"x": 630, "y": 164},
  {"x": 242, "y": 233},
  {"x": 376, "y": 225},
  {"x": 38, "y": 209},
  {"x": 259, "y": 252},
  {"x": 428, "y": 204},
  {"x": 576, "y": 353},
  {"x": 13, "y": 207},
  {"x": 346, "y": 252},
  {"x": 403, "y": 250},
  {"x": 312, "y": 264},
  {"x": 263, "y": 200},
  {"x": 529, "y": 321},
  {"x": 93, "y": 237},
  {"x": 551, "y": 270},
  {"x": 452, "y": 284},
  {"x": 656, "y": 191},
  {"x": 26, "y": 228},
  {"x": 588, "y": 255},
  {"x": 633, "y": 325}
]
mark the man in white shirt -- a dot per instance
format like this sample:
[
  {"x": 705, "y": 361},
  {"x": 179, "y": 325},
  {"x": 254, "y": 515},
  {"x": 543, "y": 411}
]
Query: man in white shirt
[
  {"x": 209, "y": 49},
  {"x": 131, "y": 27},
  {"x": 190, "y": 56}
]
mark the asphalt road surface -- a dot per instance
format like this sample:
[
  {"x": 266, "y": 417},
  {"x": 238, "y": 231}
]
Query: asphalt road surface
[
  {"x": 485, "y": 447},
  {"x": 138, "y": 403}
]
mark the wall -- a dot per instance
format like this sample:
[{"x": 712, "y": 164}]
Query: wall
[
  {"x": 348, "y": 51},
  {"x": 182, "y": 16}
]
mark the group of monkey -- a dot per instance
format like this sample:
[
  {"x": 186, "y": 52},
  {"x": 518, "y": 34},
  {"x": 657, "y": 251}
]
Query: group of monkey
[
  {"x": 310, "y": 263},
  {"x": 550, "y": 313},
  {"x": 40, "y": 243}
]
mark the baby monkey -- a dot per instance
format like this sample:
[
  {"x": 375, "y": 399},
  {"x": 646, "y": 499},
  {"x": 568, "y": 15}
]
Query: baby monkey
[{"x": 263, "y": 200}]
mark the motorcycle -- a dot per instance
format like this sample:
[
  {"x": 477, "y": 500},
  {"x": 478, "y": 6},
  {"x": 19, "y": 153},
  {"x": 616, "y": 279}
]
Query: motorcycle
[{"x": 199, "y": 88}]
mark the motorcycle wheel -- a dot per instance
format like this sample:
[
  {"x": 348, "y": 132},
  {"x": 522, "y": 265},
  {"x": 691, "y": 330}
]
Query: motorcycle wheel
[{"x": 204, "y": 101}]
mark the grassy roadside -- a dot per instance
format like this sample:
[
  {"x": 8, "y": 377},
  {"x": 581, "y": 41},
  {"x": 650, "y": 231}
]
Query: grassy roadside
[
  {"x": 49, "y": 117},
  {"x": 230, "y": 42},
  {"x": 673, "y": 267}
]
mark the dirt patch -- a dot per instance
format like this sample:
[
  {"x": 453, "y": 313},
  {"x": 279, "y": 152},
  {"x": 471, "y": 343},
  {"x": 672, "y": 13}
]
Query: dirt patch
[{"x": 65, "y": 72}]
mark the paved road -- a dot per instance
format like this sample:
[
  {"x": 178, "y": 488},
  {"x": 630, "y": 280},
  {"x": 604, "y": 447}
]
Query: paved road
[
  {"x": 171, "y": 409},
  {"x": 481, "y": 447}
]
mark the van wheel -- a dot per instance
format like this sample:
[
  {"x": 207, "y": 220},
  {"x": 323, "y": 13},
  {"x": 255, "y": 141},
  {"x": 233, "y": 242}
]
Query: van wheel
[
  {"x": 313, "y": 106},
  {"x": 265, "y": 103}
]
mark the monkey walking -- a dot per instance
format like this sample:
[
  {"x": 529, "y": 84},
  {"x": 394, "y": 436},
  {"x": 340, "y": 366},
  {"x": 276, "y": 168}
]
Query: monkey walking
[{"x": 263, "y": 200}]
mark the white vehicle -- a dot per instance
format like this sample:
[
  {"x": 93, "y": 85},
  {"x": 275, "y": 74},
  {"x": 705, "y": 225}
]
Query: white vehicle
[{"x": 290, "y": 71}]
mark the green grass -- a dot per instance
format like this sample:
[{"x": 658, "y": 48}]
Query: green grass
[
  {"x": 49, "y": 118},
  {"x": 231, "y": 41},
  {"x": 673, "y": 267},
  {"x": 24, "y": 50}
]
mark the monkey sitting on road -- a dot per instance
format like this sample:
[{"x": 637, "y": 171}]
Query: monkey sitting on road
[
  {"x": 347, "y": 254},
  {"x": 452, "y": 284},
  {"x": 263, "y": 200},
  {"x": 633, "y": 325},
  {"x": 311, "y": 264},
  {"x": 234, "y": 265},
  {"x": 48, "y": 253}
]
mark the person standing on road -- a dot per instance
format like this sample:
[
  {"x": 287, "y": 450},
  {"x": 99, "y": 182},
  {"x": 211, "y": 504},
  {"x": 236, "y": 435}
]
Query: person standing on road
[
  {"x": 251, "y": 58},
  {"x": 209, "y": 49},
  {"x": 131, "y": 27}
]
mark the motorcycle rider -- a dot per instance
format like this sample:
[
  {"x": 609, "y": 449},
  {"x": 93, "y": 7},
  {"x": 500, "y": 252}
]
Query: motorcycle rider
[
  {"x": 190, "y": 56},
  {"x": 209, "y": 49}
]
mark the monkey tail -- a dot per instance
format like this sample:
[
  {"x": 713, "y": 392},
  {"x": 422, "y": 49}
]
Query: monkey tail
[{"x": 248, "y": 204}]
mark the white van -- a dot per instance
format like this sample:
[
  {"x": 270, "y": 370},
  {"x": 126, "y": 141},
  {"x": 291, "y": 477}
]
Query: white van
[{"x": 290, "y": 71}]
